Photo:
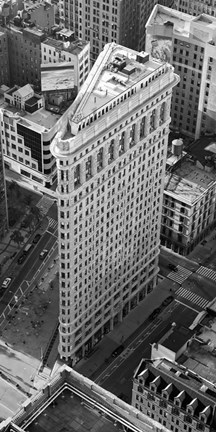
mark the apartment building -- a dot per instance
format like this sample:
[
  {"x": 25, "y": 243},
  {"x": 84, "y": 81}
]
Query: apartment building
[
  {"x": 76, "y": 52},
  {"x": 3, "y": 197},
  {"x": 196, "y": 7},
  {"x": 175, "y": 396},
  {"x": 101, "y": 22},
  {"x": 111, "y": 163},
  {"x": 189, "y": 207},
  {"x": 24, "y": 46},
  {"x": 26, "y": 130},
  {"x": 188, "y": 43},
  {"x": 4, "y": 58}
]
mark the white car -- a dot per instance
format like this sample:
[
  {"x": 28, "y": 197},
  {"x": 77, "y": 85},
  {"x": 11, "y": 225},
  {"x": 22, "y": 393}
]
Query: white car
[{"x": 6, "y": 283}]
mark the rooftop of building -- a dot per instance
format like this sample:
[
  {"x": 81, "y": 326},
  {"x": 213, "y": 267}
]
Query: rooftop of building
[
  {"x": 118, "y": 69},
  {"x": 40, "y": 121},
  {"x": 189, "y": 176},
  {"x": 175, "y": 338},
  {"x": 74, "y": 47},
  {"x": 200, "y": 355},
  {"x": 30, "y": 5},
  {"x": 183, "y": 383},
  {"x": 164, "y": 16},
  {"x": 69, "y": 401},
  {"x": 34, "y": 31}
]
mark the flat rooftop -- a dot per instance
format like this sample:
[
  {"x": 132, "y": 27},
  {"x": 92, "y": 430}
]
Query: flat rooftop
[
  {"x": 200, "y": 355},
  {"x": 188, "y": 181},
  {"x": 70, "y": 413},
  {"x": 116, "y": 70},
  {"x": 164, "y": 16},
  {"x": 40, "y": 121},
  {"x": 175, "y": 338},
  {"x": 74, "y": 47}
]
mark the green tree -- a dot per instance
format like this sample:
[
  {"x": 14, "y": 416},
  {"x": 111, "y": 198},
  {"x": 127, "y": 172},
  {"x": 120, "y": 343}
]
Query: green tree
[
  {"x": 36, "y": 212},
  {"x": 27, "y": 200},
  {"x": 17, "y": 237}
]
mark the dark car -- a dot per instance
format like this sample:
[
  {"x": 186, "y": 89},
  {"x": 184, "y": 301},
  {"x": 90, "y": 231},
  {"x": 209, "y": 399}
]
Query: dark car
[
  {"x": 118, "y": 351},
  {"x": 173, "y": 267},
  {"x": 22, "y": 258},
  {"x": 36, "y": 238},
  {"x": 167, "y": 301},
  {"x": 154, "y": 314}
]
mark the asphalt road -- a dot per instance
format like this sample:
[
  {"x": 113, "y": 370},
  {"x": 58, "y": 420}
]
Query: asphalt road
[
  {"x": 27, "y": 270},
  {"x": 117, "y": 377}
]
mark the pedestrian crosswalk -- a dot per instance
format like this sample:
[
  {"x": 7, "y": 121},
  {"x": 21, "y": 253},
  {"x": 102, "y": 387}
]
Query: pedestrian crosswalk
[
  {"x": 192, "y": 297},
  {"x": 52, "y": 222},
  {"x": 205, "y": 271},
  {"x": 44, "y": 204},
  {"x": 179, "y": 276}
]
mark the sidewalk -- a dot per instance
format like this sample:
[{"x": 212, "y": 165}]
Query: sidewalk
[
  {"x": 203, "y": 252},
  {"x": 123, "y": 332}
]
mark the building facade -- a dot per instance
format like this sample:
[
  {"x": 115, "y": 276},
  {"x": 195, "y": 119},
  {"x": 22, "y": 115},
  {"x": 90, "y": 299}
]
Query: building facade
[
  {"x": 26, "y": 130},
  {"x": 77, "y": 53},
  {"x": 189, "y": 206},
  {"x": 4, "y": 58},
  {"x": 176, "y": 397},
  {"x": 111, "y": 164},
  {"x": 196, "y": 7},
  {"x": 3, "y": 197},
  {"x": 188, "y": 43},
  {"x": 24, "y": 54},
  {"x": 101, "y": 22}
]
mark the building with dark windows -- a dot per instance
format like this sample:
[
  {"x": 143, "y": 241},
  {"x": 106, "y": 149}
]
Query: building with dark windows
[
  {"x": 4, "y": 58},
  {"x": 196, "y": 7},
  {"x": 189, "y": 206},
  {"x": 101, "y": 22},
  {"x": 3, "y": 197},
  {"x": 111, "y": 158},
  {"x": 188, "y": 43},
  {"x": 24, "y": 46},
  {"x": 27, "y": 130},
  {"x": 175, "y": 396}
]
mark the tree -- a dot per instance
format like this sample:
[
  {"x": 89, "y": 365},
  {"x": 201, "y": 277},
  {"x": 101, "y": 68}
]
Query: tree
[
  {"x": 17, "y": 237},
  {"x": 28, "y": 200},
  {"x": 14, "y": 191},
  {"x": 36, "y": 212},
  {"x": 29, "y": 222}
]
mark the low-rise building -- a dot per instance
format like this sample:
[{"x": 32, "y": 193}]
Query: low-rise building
[
  {"x": 175, "y": 396},
  {"x": 189, "y": 211},
  {"x": 181, "y": 396},
  {"x": 70, "y": 401},
  {"x": 188, "y": 43},
  {"x": 26, "y": 130},
  {"x": 76, "y": 53}
]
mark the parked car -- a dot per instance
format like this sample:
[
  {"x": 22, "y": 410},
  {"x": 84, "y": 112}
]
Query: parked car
[
  {"x": 167, "y": 301},
  {"x": 22, "y": 258},
  {"x": 6, "y": 282},
  {"x": 154, "y": 313},
  {"x": 36, "y": 238},
  {"x": 173, "y": 267},
  {"x": 27, "y": 248},
  {"x": 43, "y": 254},
  {"x": 118, "y": 351}
]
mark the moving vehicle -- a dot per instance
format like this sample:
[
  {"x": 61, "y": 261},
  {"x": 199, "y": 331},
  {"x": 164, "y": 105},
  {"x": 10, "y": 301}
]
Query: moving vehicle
[
  {"x": 6, "y": 282},
  {"x": 168, "y": 300},
  {"x": 43, "y": 254}
]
